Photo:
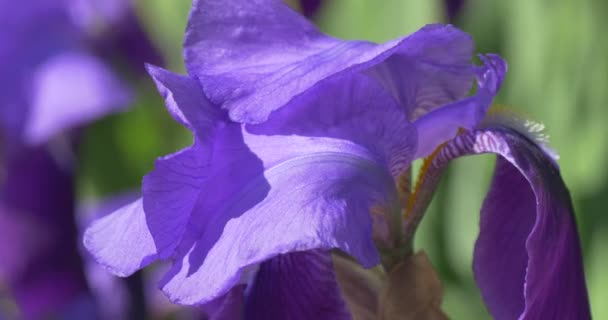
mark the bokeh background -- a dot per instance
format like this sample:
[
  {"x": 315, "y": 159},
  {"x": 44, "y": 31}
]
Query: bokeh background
[{"x": 558, "y": 75}]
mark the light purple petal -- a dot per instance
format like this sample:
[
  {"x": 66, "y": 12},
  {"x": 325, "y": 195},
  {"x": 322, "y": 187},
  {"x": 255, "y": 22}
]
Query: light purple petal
[
  {"x": 69, "y": 90},
  {"x": 169, "y": 195},
  {"x": 527, "y": 261},
  {"x": 443, "y": 123},
  {"x": 169, "y": 191},
  {"x": 353, "y": 108},
  {"x": 121, "y": 241},
  {"x": 253, "y": 57},
  {"x": 298, "y": 286},
  {"x": 439, "y": 75},
  {"x": 185, "y": 101},
  {"x": 104, "y": 286},
  {"x": 274, "y": 188},
  {"x": 314, "y": 193}
]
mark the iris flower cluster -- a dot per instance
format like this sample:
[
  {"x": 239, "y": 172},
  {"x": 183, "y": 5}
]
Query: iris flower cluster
[{"x": 300, "y": 172}]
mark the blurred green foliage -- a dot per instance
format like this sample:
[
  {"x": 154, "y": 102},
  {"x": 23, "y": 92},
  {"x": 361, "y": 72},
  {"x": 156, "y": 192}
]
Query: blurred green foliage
[{"x": 557, "y": 75}]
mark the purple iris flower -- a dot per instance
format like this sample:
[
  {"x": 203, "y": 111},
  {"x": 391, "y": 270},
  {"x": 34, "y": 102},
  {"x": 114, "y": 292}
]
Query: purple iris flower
[
  {"x": 297, "y": 137},
  {"x": 333, "y": 124},
  {"x": 52, "y": 82}
]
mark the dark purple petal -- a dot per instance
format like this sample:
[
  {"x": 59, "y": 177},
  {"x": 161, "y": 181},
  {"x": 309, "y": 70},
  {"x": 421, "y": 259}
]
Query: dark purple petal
[
  {"x": 297, "y": 285},
  {"x": 113, "y": 31},
  {"x": 528, "y": 261},
  {"x": 501, "y": 258},
  {"x": 253, "y": 57},
  {"x": 453, "y": 8},
  {"x": 39, "y": 258},
  {"x": 310, "y": 7},
  {"x": 228, "y": 307}
]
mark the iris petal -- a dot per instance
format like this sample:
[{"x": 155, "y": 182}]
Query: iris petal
[
  {"x": 443, "y": 123},
  {"x": 121, "y": 241},
  {"x": 298, "y": 285},
  {"x": 253, "y": 57},
  {"x": 314, "y": 194},
  {"x": 527, "y": 258}
]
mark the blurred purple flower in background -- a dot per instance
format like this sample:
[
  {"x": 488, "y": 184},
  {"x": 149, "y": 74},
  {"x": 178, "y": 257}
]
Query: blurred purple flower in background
[
  {"x": 297, "y": 136},
  {"x": 310, "y": 7},
  {"x": 53, "y": 82},
  {"x": 453, "y": 8}
]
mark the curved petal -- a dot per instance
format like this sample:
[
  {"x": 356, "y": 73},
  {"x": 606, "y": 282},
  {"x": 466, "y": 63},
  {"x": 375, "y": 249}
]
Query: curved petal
[
  {"x": 121, "y": 241},
  {"x": 169, "y": 195},
  {"x": 185, "y": 101},
  {"x": 442, "y": 124},
  {"x": 169, "y": 191},
  {"x": 298, "y": 285},
  {"x": 253, "y": 57},
  {"x": 527, "y": 261}
]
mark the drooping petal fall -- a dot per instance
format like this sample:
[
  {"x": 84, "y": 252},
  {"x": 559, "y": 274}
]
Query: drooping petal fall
[
  {"x": 527, "y": 259},
  {"x": 297, "y": 285}
]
